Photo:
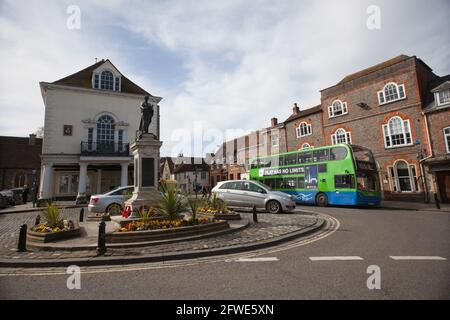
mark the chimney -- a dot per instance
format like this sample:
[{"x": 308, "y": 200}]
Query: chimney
[
  {"x": 295, "y": 109},
  {"x": 32, "y": 139},
  {"x": 273, "y": 122}
]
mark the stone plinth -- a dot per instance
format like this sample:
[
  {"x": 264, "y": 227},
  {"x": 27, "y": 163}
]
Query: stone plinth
[{"x": 146, "y": 161}]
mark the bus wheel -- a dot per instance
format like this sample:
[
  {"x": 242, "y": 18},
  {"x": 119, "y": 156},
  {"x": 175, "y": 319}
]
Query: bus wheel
[
  {"x": 274, "y": 206},
  {"x": 322, "y": 200}
]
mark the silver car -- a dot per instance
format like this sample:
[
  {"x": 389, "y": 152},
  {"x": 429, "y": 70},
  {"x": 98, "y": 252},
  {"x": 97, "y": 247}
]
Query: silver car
[
  {"x": 246, "y": 194},
  {"x": 111, "y": 201}
]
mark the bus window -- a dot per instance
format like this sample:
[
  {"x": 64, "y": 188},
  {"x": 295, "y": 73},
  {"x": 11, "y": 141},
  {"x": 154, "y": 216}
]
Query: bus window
[
  {"x": 269, "y": 182},
  {"x": 344, "y": 181},
  {"x": 367, "y": 182},
  {"x": 305, "y": 157},
  {"x": 290, "y": 183},
  {"x": 281, "y": 161},
  {"x": 320, "y": 155},
  {"x": 301, "y": 182},
  {"x": 254, "y": 164},
  {"x": 322, "y": 167},
  {"x": 264, "y": 163},
  {"x": 338, "y": 153},
  {"x": 290, "y": 159}
]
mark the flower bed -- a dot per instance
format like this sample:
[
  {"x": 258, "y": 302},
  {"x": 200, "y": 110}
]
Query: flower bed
[
  {"x": 155, "y": 224},
  {"x": 163, "y": 229},
  {"x": 62, "y": 230}
]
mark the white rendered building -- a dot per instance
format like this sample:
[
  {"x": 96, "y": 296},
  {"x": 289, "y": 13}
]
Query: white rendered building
[{"x": 91, "y": 117}]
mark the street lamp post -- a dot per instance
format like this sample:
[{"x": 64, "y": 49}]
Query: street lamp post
[{"x": 34, "y": 188}]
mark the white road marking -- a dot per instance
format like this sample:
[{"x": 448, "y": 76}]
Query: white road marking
[
  {"x": 261, "y": 259},
  {"x": 339, "y": 258},
  {"x": 417, "y": 258}
]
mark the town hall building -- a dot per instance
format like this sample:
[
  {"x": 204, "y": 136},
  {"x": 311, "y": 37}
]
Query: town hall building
[{"x": 91, "y": 117}]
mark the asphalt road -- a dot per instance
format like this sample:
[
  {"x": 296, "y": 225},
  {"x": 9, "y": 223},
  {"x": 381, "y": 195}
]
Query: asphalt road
[{"x": 364, "y": 238}]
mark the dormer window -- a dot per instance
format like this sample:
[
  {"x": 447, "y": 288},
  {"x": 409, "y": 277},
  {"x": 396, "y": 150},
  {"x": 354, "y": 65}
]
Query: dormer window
[
  {"x": 391, "y": 92},
  {"x": 443, "y": 97},
  {"x": 106, "y": 80}
]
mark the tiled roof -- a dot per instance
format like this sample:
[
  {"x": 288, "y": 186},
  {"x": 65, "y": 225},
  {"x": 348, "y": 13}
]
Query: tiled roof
[
  {"x": 304, "y": 113},
  {"x": 375, "y": 68},
  {"x": 184, "y": 167},
  {"x": 83, "y": 79}
]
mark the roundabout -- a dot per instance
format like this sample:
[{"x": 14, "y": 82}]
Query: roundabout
[{"x": 242, "y": 238}]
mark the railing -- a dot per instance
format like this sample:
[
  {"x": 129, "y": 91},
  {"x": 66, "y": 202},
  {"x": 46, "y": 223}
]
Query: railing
[{"x": 97, "y": 149}]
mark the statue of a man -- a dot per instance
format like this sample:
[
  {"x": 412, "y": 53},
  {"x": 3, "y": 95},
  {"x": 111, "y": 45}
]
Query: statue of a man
[{"x": 146, "y": 115}]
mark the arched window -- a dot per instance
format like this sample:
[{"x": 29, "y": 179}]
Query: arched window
[
  {"x": 337, "y": 108},
  {"x": 391, "y": 92},
  {"x": 305, "y": 146},
  {"x": 107, "y": 80},
  {"x": 341, "y": 136},
  {"x": 105, "y": 130},
  {"x": 404, "y": 177},
  {"x": 304, "y": 129},
  {"x": 397, "y": 132}
]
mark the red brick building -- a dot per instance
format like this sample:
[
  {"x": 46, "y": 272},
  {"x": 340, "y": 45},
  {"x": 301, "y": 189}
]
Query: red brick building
[
  {"x": 20, "y": 161},
  {"x": 399, "y": 109},
  {"x": 384, "y": 108},
  {"x": 437, "y": 121}
]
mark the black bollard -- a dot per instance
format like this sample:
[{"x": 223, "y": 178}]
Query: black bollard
[
  {"x": 38, "y": 220},
  {"x": 255, "y": 216},
  {"x": 436, "y": 201},
  {"x": 81, "y": 214},
  {"x": 101, "y": 246},
  {"x": 22, "y": 244}
]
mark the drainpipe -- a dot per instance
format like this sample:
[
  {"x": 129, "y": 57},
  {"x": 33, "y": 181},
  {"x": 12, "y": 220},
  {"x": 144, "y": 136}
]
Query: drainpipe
[{"x": 422, "y": 170}]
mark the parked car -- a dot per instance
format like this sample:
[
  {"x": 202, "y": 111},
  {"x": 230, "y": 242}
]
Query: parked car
[
  {"x": 109, "y": 202},
  {"x": 17, "y": 194},
  {"x": 246, "y": 194},
  {"x": 9, "y": 196},
  {"x": 3, "y": 202}
]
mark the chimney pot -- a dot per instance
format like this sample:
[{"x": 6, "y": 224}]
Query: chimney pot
[
  {"x": 274, "y": 122},
  {"x": 32, "y": 139},
  {"x": 295, "y": 109}
]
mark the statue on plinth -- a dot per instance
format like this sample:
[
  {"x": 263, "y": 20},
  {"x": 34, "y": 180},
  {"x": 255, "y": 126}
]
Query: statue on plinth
[{"x": 146, "y": 115}]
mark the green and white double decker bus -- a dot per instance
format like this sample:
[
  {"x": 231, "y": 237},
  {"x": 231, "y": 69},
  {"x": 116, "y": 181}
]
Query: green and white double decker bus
[{"x": 341, "y": 174}]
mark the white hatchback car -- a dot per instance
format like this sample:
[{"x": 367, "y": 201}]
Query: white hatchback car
[{"x": 246, "y": 194}]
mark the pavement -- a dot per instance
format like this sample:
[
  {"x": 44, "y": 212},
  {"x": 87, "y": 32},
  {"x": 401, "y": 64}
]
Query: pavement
[
  {"x": 270, "y": 230},
  {"x": 28, "y": 207},
  {"x": 370, "y": 254},
  {"x": 417, "y": 206}
]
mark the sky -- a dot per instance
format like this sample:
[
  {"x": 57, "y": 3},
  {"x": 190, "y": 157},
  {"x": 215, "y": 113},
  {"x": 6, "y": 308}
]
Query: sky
[{"x": 223, "y": 68}]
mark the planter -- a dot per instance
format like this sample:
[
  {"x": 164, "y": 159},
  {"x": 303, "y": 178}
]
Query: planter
[
  {"x": 163, "y": 234},
  {"x": 53, "y": 236}
]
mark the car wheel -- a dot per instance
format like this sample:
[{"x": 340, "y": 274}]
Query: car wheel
[
  {"x": 322, "y": 200},
  {"x": 114, "y": 209},
  {"x": 274, "y": 206}
]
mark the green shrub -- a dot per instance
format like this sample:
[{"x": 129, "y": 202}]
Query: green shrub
[{"x": 172, "y": 203}]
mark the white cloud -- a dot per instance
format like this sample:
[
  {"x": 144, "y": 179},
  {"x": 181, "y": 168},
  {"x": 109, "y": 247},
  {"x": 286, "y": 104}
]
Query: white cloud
[{"x": 246, "y": 61}]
